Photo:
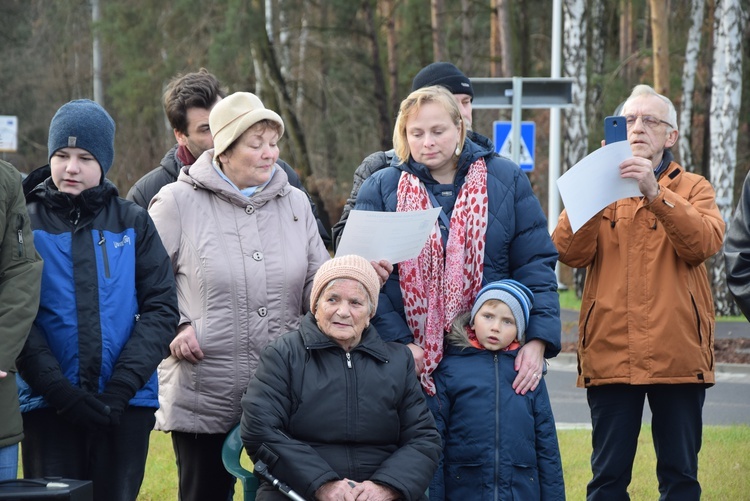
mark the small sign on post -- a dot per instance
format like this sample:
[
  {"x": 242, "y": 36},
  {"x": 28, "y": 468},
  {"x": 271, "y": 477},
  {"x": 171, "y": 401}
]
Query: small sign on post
[
  {"x": 502, "y": 137},
  {"x": 8, "y": 133}
]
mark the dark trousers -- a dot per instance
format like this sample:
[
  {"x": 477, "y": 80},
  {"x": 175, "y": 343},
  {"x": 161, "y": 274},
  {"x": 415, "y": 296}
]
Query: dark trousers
[
  {"x": 113, "y": 459},
  {"x": 676, "y": 428},
  {"x": 200, "y": 469}
]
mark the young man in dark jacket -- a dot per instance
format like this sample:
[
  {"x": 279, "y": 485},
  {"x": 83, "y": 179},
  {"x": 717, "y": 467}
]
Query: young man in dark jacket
[
  {"x": 188, "y": 101},
  {"x": 107, "y": 313},
  {"x": 20, "y": 281}
]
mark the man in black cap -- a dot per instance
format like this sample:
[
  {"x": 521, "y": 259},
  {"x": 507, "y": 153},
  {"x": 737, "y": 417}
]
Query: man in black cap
[{"x": 440, "y": 73}]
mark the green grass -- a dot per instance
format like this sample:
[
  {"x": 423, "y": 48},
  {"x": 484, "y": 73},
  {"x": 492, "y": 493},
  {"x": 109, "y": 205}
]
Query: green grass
[
  {"x": 569, "y": 301},
  {"x": 724, "y": 465}
]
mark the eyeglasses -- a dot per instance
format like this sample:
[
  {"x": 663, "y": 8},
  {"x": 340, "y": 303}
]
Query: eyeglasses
[{"x": 648, "y": 121}]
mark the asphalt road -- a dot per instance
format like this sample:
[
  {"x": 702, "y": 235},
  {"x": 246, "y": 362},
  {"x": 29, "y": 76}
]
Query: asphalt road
[{"x": 727, "y": 402}]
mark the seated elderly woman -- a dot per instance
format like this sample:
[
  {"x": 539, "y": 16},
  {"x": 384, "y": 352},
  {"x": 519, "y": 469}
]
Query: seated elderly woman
[{"x": 334, "y": 411}]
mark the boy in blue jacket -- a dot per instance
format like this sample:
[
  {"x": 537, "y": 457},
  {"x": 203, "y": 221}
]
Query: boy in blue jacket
[
  {"x": 107, "y": 313},
  {"x": 496, "y": 444}
]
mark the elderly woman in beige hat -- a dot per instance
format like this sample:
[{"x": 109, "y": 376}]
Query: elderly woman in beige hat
[
  {"x": 244, "y": 247},
  {"x": 333, "y": 410}
]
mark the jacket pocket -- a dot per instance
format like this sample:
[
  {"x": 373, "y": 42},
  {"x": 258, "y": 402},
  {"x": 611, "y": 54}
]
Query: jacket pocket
[
  {"x": 525, "y": 482},
  {"x": 462, "y": 479}
]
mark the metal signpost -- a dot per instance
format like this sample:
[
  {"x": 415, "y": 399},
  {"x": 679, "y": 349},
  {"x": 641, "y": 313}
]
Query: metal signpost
[{"x": 517, "y": 93}]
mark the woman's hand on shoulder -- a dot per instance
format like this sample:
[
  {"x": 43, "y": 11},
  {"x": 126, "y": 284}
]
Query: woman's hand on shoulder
[
  {"x": 418, "y": 353},
  {"x": 185, "y": 345},
  {"x": 383, "y": 268},
  {"x": 530, "y": 366}
]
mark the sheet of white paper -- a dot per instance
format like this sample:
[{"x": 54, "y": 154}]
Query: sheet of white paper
[
  {"x": 394, "y": 236},
  {"x": 595, "y": 182}
]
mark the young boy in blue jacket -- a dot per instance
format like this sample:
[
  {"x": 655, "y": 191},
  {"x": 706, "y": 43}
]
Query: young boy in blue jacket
[{"x": 496, "y": 444}]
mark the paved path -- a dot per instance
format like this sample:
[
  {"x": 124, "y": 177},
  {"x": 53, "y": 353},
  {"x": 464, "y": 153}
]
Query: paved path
[{"x": 727, "y": 402}]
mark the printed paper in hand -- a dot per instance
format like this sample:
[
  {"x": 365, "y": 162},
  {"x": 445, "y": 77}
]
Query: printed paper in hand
[
  {"x": 393, "y": 236},
  {"x": 595, "y": 182}
]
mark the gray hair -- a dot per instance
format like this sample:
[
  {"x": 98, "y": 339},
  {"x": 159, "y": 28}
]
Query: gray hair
[{"x": 644, "y": 90}]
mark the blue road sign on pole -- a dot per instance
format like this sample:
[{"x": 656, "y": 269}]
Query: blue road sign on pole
[{"x": 502, "y": 136}]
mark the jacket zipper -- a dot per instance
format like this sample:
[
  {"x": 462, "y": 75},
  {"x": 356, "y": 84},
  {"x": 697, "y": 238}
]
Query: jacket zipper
[
  {"x": 20, "y": 235},
  {"x": 497, "y": 426},
  {"x": 348, "y": 360},
  {"x": 102, "y": 244}
]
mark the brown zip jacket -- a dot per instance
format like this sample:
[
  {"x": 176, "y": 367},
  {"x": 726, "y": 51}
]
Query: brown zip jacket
[{"x": 647, "y": 314}]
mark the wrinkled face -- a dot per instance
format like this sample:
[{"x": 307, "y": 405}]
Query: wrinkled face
[
  {"x": 464, "y": 104},
  {"x": 432, "y": 137},
  {"x": 74, "y": 170},
  {"x": 250, "y": 159},
  {"x": 343, "y": 312},
  {"x": 495, "y": 325},
  {"x": 198, "y": 137},
  {"x": 649, "y": 140}
]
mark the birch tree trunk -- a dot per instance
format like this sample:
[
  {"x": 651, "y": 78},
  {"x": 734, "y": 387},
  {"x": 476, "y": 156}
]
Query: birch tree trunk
[
  {"x": 506, "y": 47},
  {"x": 726, "y": 98},
  {"x": 596, "y": 52},
  {"x": 438, "y": 30},
  {"x": 574, "y": 66},
  {"x": 689, "y": 69},
  {"x": 660, "y": 44},
  {"x": 276, "y": 95}
]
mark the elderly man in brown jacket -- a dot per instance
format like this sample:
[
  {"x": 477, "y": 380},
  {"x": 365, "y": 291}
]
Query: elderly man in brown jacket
[{"x": 646, "y": 328}]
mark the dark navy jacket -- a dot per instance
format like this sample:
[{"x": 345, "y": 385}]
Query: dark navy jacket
[
  {"x": 108, "y": 306},
  {"x": 518, "y": 244},
  {"x": 497, "y": 445}
]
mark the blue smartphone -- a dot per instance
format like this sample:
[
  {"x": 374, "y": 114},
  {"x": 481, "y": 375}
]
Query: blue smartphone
[{"x": 615, "y": 129}]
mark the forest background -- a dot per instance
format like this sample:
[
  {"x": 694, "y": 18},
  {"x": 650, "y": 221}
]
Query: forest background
[{"x": 336, "y": 70}]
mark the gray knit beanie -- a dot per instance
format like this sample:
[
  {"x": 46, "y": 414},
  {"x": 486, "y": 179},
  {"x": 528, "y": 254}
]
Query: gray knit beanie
[
  {"x": 517, "y": 296},
  {"x": 83, "y": 124},
  {"x": 445, "y": 75}
]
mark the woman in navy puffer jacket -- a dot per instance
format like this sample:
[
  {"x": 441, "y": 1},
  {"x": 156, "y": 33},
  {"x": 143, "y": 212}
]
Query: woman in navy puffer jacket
[{"x": 503, "y": 234}]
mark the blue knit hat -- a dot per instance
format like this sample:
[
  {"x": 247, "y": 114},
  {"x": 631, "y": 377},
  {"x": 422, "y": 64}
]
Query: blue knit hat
[
  {"x": 517, "y": 296},
  {"x": 83, "y": 124}
]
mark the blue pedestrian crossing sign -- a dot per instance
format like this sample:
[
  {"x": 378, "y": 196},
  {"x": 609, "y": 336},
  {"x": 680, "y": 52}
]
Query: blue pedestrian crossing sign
[{"x": 502, "y": 139}]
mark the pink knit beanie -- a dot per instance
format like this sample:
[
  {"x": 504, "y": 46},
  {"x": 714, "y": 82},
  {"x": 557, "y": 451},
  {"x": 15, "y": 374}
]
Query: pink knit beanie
[{"x": 350, "y": 266}]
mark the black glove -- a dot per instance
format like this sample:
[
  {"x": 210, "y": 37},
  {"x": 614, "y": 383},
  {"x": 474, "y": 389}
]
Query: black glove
[
  {"x": 88, "y": 413},
  {"x": 116, "y": 396},
  {"x": 76, "y": 405}
]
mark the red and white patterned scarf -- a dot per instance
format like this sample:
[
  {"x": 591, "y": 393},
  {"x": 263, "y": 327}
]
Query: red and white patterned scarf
[{"x": 436, "y": 286}]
